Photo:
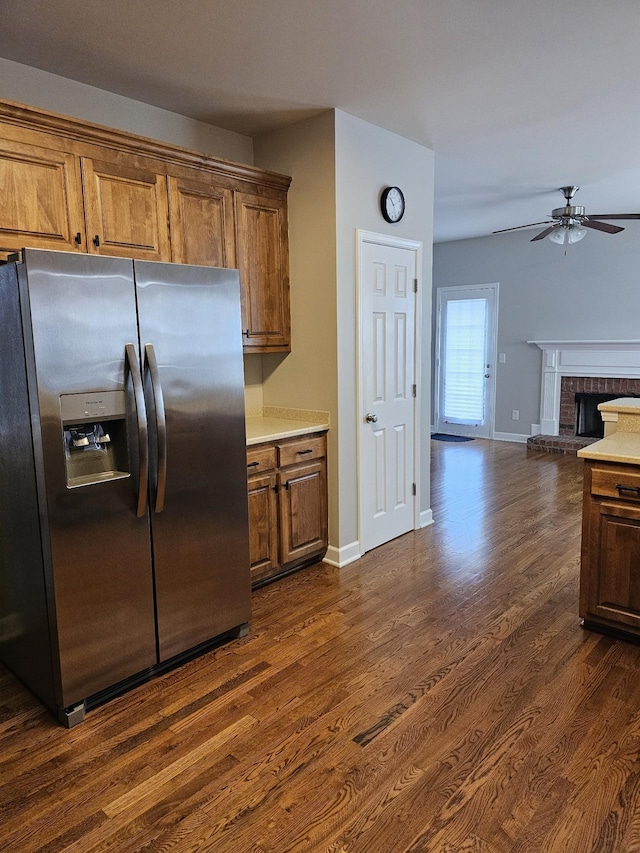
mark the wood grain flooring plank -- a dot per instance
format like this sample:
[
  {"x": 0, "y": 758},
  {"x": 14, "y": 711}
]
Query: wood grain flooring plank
[{"x": 487, "y": 719}]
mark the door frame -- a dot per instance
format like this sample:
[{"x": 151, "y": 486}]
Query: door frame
[
  {"x": 492, "y": 346},
  {"x": 416, "y": 246}
]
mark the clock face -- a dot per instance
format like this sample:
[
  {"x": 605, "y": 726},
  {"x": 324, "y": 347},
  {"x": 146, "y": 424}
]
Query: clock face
[{"x": 392, "y": 204}]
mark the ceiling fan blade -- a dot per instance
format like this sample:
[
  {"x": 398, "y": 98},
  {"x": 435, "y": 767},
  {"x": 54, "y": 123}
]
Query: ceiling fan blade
[
  {"x": 545, "y": 233},
  {"x": 614, "y": 216},
  {"x": 601, "y": 226},
  {"x": 516, "y": 227}
]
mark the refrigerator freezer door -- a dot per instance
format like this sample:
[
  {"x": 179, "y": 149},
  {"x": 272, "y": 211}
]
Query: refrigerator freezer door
[
  {"x": 190, "y": 317},
  {"x": 98, "y": 566}
]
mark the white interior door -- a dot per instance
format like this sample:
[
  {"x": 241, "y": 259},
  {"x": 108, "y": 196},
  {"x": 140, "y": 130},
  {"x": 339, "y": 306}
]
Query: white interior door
[
  {"x": 465, "y": 360},
  {"x": 387, "y": 404}
]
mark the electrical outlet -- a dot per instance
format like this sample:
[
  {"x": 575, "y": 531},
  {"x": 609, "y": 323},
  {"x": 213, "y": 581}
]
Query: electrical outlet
[
  {"x": 515, "y": 414},
  {"x": 502, "y": 358}
]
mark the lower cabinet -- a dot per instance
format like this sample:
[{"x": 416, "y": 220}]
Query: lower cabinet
[
  {"x": 288, "y": 525},
  {"x": 610, "y": 567}
]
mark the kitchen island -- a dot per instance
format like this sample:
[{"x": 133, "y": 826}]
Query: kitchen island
[
  {"x": 287, "y": 482},
  {"x": 610, "y": 557}
]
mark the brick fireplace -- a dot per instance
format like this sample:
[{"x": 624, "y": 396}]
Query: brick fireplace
[
  {"x": 597, "y": 385},
  {"x": 579, "y": 367}
]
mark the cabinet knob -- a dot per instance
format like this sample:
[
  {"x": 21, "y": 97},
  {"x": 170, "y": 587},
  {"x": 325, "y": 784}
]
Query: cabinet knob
[
  {"x": 78, "y": 238},
  {"x": 96, "y": 241}
]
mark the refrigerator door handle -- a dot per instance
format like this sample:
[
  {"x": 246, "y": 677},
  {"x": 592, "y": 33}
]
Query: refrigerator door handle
[
  {"x": 161, "y": 425},
  {"x": 141, "y": 419}
]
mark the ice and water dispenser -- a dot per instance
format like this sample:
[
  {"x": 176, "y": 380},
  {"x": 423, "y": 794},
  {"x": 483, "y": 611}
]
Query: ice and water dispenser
[{"x": 95, "y": 437}]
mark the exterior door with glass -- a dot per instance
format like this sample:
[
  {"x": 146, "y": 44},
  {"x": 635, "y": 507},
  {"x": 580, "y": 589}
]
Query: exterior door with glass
[{"x": 465, "y": 359}]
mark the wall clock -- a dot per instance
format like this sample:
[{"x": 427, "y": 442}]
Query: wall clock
[{"x": 392, "y": 204}]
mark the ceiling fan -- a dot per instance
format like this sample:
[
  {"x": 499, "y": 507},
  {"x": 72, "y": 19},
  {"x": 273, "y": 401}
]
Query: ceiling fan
[{"x": 569, "y": 224}]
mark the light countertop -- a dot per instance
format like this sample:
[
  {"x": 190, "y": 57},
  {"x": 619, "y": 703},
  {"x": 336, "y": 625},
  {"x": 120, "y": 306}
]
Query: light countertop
[
  {"x": 622, "y": 443},
  {"x": 275, "y": 423},
  {"x": 630, "y": 405},
  {"x": 617, "y": 447}
]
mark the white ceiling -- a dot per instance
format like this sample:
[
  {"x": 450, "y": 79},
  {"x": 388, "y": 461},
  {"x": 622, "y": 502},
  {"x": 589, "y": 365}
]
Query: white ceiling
[{"x": 516, "y": 97}]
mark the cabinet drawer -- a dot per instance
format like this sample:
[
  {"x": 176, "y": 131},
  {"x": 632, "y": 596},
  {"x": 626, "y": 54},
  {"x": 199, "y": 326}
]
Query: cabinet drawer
[
  {"x": 612, "y": 483},
  {"x": 261, "y": 459},
  {"x": 303, "y": 450}
]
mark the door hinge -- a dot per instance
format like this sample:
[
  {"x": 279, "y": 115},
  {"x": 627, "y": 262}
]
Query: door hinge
[
  {"x": 415, "y": 492},
  {"x": 415, "y": 285},
  {"x": 414, "y": 391}
]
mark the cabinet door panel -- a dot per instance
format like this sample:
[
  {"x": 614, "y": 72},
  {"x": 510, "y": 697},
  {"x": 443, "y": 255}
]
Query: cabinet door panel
[
  {"x": 201, "y": 220},
  {"x": 40, "y": 199},
  {"x": 263, "y": 526},
  {"x": 127, "y": 211},
  {"x": 303, "y": 510},
  {"x": 263, "y": 261},
  {"x": 618, "y": 594}
]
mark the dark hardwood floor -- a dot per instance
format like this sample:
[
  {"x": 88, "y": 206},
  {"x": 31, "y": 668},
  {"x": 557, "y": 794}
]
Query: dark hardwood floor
[{"x": 437, "y": 695}]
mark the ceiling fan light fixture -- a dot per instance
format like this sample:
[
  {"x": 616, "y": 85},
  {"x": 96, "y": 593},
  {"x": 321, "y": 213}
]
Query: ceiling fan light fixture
[{"x": 567, "y": 234}]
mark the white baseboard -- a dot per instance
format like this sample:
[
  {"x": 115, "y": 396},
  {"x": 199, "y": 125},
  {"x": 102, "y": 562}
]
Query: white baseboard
[
  {"x": 510, "y": 436},
  {"x": 426, "y": 518},
  {"x": 341, "y": 557}
]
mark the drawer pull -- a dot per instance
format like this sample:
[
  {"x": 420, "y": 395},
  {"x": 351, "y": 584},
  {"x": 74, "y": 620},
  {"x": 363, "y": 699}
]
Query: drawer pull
[
  {"x": 634, "y": 489},
  {"x": 304, "y": 452},
  {"x": 252, "y": 464}
]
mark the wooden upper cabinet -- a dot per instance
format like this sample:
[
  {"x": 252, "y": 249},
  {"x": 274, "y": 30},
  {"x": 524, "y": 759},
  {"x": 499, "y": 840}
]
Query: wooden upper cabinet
[
  {"x": 73, "y": 186},
  {"x": 40, "y": 199},
  {"x": 202, "y": 224},
  {"x": 127, "y": 211},
  {"x": 263, "y": 261}
]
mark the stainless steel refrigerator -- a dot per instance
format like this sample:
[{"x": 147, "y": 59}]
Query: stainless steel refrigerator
[{"x": 124, "y": 544}]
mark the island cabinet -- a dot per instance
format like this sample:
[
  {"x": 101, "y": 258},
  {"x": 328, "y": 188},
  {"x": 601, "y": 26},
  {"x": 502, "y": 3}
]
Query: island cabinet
[
  {"x": 610, "y": 561},
  {"x": 74, "y": 186},
  {"x": 287, "y": 483}
]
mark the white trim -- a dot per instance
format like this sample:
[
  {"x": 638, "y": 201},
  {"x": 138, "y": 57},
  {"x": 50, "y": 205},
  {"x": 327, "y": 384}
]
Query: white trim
[
  {"x": 426, "y": 518},
  {"x": 606, "y": 359},
  {"x": 510, "y": 436},
  {"x": 416, "y": 246},
  {"x": 341, "y": 557}
]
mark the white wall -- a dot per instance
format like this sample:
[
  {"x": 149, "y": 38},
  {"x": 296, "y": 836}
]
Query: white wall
[
  {"x": 369, "y": 158},
  {"x": 339, "y": 166},
  {"x": 592, "y": 293},
  {"x": 37, "y": 88}
]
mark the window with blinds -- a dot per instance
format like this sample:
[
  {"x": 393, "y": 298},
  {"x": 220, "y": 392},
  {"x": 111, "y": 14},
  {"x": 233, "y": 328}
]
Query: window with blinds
[{"x": 465, "y": 334}]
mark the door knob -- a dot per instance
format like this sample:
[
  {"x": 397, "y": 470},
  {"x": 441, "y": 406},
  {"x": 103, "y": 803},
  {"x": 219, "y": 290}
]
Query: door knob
[{"x": 371, "y": 419}]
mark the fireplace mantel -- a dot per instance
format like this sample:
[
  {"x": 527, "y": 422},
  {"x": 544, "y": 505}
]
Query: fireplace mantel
[{"x": 581, "y": 358}]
